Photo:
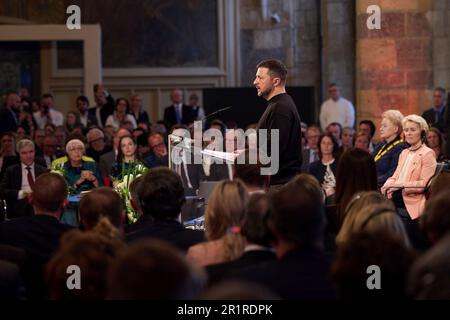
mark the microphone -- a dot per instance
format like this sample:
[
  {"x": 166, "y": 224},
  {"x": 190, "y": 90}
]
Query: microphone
[{"x": 218, "y": 111}]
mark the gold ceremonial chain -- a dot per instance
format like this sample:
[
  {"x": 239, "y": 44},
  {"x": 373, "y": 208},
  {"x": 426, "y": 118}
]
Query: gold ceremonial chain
[{"x": 383, "y": 151}]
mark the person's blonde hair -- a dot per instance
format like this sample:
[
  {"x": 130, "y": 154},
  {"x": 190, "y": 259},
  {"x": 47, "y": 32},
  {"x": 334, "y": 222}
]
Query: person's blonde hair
[
  {"x": 394, "y": 116},
  {"x": 373, "y": 218},
  {"x": 414, "y": 118},
  {"x": 224, "y": 215}
]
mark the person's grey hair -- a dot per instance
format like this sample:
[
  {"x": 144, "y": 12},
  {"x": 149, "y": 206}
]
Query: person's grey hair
[
  {"x": 394, "y": 116},
  {"x": 417, "y": 120},
  {"x": 90, "y": 132},
  {"x": 73, "y": 143},
  {"x": 24, "y": 143}
]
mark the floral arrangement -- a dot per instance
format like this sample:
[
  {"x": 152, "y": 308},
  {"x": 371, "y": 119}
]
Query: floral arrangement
[
  {"x": 122, "y": 186},
  {"x": 58, "y": 167}
]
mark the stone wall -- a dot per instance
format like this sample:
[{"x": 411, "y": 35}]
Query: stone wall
[{"x": 394, "y": 64}]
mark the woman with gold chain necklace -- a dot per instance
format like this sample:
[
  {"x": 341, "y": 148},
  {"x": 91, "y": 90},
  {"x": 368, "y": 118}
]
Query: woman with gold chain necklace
[{"x": 386, "y": 154}]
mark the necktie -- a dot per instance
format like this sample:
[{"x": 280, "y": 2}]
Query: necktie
[
  {"x": 30, "y": 177},
  {"x": 178, "y": 112}
]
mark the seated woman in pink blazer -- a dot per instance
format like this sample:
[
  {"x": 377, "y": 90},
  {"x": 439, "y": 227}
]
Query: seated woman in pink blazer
[{"x": 416, "y": 165}]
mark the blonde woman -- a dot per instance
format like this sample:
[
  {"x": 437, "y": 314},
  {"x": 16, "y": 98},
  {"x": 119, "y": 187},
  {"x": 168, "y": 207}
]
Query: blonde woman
[
  {"x": 223, "y": 218},
  {"x": 372, "y": 218},
  {"x": 416, "y": 166},
  {"x": 386, "y": 153}
]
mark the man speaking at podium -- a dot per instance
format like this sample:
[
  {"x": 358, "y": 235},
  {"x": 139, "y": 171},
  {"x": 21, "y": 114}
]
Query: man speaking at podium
[{"x": 281, "y": 114}]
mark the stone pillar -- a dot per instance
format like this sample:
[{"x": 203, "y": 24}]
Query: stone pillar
[
  {"x": 338, "y": 46},
  {"x": 394, "y": 64}
]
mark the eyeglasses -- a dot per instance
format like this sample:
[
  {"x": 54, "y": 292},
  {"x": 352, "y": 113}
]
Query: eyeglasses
[{"x": 157, "y": 145}]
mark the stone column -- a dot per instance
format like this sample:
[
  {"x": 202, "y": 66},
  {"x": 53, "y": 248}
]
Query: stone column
[{"x": 394, "y": 64}]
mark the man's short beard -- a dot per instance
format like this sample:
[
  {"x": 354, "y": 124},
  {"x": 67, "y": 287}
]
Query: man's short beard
[{"x": 265, "y": 94}]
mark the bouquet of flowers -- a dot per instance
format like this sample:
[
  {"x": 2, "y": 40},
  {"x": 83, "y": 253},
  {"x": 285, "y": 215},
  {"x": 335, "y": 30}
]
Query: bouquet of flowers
[
  {"x": 122, "y": 186},
  {"x": 58, "y": 167}
]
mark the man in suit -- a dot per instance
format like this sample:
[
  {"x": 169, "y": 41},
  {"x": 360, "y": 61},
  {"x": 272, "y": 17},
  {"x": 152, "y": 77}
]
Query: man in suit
[
  {"x": 104, "y": 107},
  {"x": 178, "y": 112},
  {"x": 19, "y": 179},
  {"x": 159, "y": 155},
  {"x": 39, "y": 234},
  {"x": 311, "y": 151},
  {"x": 161, "y": 196},
  {"x": 87, "y": 119},
  {"x": 435, "y": 115},
  {"x": 9, "y": 113},
  {"x": 257, "y": 236},
  {"x": 297, "y": 224},
  {"x": 97, "y": 146}
]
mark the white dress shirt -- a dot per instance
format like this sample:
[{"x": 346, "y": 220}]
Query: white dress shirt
[{"x": 57, "y": 118}]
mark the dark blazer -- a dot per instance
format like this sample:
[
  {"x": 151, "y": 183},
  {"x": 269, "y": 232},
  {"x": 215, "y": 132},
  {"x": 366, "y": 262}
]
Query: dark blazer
[
  {"x": 106, "y": 162},
  {"x": 306, "y": 153},
  {"x": 152, "y": 161},
  {"x": 218, "y": 172},
  {"x": 299, "y": 274},
  {"x": 226, "y": 270},
  {"x": 196, "y": 174},
  {"x": 105, "y": 111},
  {"x": 170, "y": 117},
  {"x": 39, "y": 236},
  {"x": 387, "y": 164},
  {"x": 10, "y": 187},
  {"x": 91, "y": 119},
  {"x": 317, "y": 169},
  {"x": 429, "y": 116},
  {"x": 171, "y": 231},
  {"x": 7, "y": 120}
]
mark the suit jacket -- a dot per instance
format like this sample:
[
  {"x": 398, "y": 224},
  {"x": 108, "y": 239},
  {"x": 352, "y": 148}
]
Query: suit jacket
[
  {"x": 196, "y": 174},
  {"x": 39, "y": 236},
  {"x": 306, "y": 153},
  {"x": 299, "y": 274},
  {"x": 105, "y": 111},
  {"x": 7, "y": 120},
  {"x": 10, "y": 187},
  {"x": 106, "y": 162},
  {"x": 226, "y": 270},
  {"x": 91, "y": 119},
  {"x": 218, "y": 172},
  {"x": 422, "y": 168},
  {"x": 170, "y": 116},
  {"x": 171, "y": 231},
  {"x": 429, "y": 116}
]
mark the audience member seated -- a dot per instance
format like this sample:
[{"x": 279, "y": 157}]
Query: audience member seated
[
  {"x": 257, "y": 241},
  {"x": 428, "y": 277},
  {"x": 137, "y": 111},
  {"x": 436, "y": 219},
  {"x": 325, "y": 168},
  {"x": 39, "y": 234},
  {"x": 8, "y": 153},
  {"x": 416, "y": 166},
  {"x": 435, "y": 116},
  {"x": 297, "y": 224},
  {"x": 121, "y": 114},
  {"x": 352, "y": 275},
  {"x": 99, "y": 203},
  {"x": 250, "y": 173},
  {"x": 161, "y": 196},
  {"x": 386, "y": 154},
  {"x": 48, "y": 114},
  {"x": 223, "y": 218},
  {"x": 80, "y": 174},
  {"x": 335, "y": 128},
  {"x": 97, "y": 146},
  {"x": 348, "y": 139},
  {"x": 153, "y": 270},
  {"x": 72, "y": 121},
  {"x": 368, "y": 128},
  {"x": 362, "y": 141},
  {"x": 128, "y": 160},
  {"x": 50, "y": 150},
  {"x": 93, "y": 253},
  {"x": 86, "y": 119},
  {"x": 107, "y": 159},
  {"x": 8, "y": 113},
  {"x": 311, "y": 151},
  {"x": 435, "y": 141},
  {"x": 18, "y": 181},
  {"x": 356, "y": 172},
  {"x": 159, "y": 149}
]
